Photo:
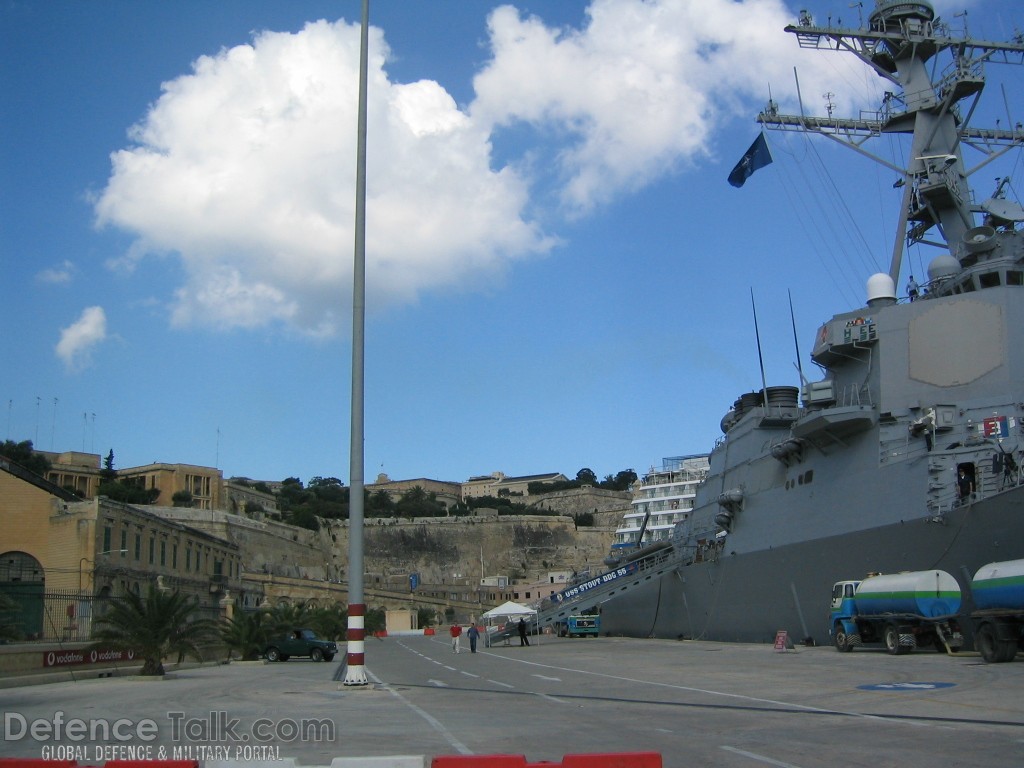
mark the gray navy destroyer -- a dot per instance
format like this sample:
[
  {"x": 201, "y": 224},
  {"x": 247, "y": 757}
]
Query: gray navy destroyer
[{"x": 907, "y": 454}]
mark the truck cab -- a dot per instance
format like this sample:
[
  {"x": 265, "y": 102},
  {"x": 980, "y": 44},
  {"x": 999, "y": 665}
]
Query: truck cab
[{"x": 842, "y": 591}]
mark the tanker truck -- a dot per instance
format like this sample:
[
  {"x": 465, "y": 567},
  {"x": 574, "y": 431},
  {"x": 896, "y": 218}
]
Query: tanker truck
[
  {"x": 900, "y": 611},
  {"x": 998, "y": 590}
]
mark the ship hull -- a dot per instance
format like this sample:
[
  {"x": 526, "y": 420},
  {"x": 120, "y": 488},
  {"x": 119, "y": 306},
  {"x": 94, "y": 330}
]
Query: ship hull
[{"x": 749, "y": 597}]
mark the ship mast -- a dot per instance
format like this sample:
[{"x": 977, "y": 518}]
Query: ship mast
[{"x": 902, "y": 36}]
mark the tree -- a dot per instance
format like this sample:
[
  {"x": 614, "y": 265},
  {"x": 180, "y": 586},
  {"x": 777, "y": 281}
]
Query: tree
[
  {"x": 108, "y": 473},
  {"x": 161, "y": 624},
  {"x": 8, "y": 624},
  {"x": 23, "y": 455},
  {"x": 181, "y": 499},
  {"x": 416, "y": 502},
  {"x": 245, "y": 633},
  {"x": 586, "y": 475},
  {"x": 622, "y": 481},
  {"x": 380, "y": 504}
]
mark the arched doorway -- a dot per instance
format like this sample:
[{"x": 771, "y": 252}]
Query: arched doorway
[{"x": 23, "y": 580}]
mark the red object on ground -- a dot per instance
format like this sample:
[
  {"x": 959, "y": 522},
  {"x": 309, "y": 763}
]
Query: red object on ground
[{"x": 599, "y": 760}]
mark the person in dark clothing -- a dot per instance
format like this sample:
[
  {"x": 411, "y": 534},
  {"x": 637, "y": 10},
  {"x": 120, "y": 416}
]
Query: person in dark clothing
[
  {"x": 523, "y": 639},
  {"x": 472, "y": 633},
  {"x": 964, "y": 486}
]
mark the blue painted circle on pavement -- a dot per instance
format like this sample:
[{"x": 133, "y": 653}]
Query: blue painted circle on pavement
[{"x": 904, "y": 687}]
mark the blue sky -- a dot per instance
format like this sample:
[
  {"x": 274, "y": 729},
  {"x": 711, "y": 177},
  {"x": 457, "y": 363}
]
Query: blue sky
[{"x": 559, "y": 275}]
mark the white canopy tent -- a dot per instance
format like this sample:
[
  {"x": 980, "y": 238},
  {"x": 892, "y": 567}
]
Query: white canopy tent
[{"x": 506, "y": 615}]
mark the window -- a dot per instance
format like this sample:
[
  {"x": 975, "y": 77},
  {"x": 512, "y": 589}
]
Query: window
[
  {"x": 174, "y": 556},
  {"x": 988, "y": 279},
  {"x": 152, "y": 550},
  {"x": 163, "y": 553},
  {"x": 107, "y": 534},
  {"x": 124, "y": 542},
  {"x": 138, "y": 546},
  {"x": 188, "y": 558}
]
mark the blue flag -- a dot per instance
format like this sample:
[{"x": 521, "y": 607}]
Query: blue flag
[{"x": 756, "y": 157}]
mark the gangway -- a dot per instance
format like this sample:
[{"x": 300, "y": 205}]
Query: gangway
[{"x": 637, "y": 569}]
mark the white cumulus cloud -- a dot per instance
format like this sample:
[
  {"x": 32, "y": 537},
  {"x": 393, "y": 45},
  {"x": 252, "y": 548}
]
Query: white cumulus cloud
[
  {"x": 246, "y": 168},
  {"x": 57, "y": 275},
  {"x": 79, "y": 339}
]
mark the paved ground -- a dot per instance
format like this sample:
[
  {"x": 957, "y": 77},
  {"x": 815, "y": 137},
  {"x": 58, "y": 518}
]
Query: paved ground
[{"x": 696, "y": 703}]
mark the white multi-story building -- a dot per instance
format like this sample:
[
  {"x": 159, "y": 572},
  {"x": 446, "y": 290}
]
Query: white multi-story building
[{"x": 661, "y": 498}]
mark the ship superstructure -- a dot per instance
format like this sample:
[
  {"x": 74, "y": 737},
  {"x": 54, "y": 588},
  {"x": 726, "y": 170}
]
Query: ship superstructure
[{"x": 906, "y": 453}]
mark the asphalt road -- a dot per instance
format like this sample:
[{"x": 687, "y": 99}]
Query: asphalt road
[{"x": 696, "y": 703}]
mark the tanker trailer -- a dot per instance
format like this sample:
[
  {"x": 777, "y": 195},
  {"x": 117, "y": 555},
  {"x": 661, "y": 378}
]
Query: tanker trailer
[
  {"x": 998, "y": 590},
  {"x": 900, "y": 611}
]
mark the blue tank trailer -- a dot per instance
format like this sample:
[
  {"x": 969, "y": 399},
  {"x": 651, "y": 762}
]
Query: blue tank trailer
[{"x": 903, "y": 611}]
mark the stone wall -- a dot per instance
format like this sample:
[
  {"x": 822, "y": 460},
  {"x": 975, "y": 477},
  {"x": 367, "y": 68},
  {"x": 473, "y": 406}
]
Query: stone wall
[{"x": 456, "y": 551}]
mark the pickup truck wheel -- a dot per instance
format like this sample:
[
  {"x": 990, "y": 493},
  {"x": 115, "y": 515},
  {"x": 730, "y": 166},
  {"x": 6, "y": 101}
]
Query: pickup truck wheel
[
  {"x": 841, "y": 640},
  {"x": 328, "y": 657},
  {"x": 273, "y": 654},
  {"x": 316, "y": 654}
]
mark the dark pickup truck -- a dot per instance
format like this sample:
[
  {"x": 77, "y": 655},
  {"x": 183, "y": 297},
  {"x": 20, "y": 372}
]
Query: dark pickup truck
[{"x": 300, "y": 642}]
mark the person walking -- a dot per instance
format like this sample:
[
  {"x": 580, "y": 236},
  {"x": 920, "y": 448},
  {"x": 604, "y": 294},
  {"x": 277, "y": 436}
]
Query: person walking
[
  {"x": 523, "y": 639},
  {"x": 472, "y": 633},
  {"x": 456, "y": 632}
]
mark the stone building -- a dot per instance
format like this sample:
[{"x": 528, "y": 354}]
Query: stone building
[
  {"x": 53, "y": 543},
  {"x": 81, "y": 473},
  {"x": 447, "y": 493},
  {"x": 498, "y": 485}
]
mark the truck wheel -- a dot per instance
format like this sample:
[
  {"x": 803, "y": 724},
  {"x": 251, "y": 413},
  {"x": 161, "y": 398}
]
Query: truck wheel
[
  {"x": 841, "y": 640},
  {"x": 1008, "y": 650},
  {"x": 316, "y": 655},
  {"x": 273, "y": 654},
  {"x": 892, "y": 640},
  {"x": 987, "y": 645}
]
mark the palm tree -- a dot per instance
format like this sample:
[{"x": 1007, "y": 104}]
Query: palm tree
[
  {"x": 154, "y": 627},
  {"x": 246, "y": 633},
  {"x": 8, "y": 627}
]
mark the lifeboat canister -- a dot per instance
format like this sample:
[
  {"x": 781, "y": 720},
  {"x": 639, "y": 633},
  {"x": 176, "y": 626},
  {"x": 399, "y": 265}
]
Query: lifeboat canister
[
  {"x": 999, "y": 586},
  {"x": 922, "y": 593}
]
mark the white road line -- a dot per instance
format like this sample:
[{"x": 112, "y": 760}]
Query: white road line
[
  {"x": 457, "y": 745},
  {"x": 498, "y": 682},
  {"x": 469, "y": 674},
  {"x": 759, "y": 758},
  {"x": 723, "y": 694},
  {"x": 550, "y": 698}
]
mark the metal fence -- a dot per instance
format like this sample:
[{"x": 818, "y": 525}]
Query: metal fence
[{"x": 60, "y": 615}]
